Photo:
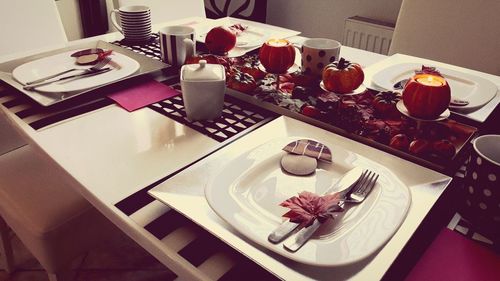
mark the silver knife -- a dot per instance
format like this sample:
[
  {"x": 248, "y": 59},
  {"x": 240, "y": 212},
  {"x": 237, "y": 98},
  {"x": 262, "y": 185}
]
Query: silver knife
[
  {"x": 301, "y": 237},
  {"x": 345, "y": 184},
  {"x": 81, "y": 75}
]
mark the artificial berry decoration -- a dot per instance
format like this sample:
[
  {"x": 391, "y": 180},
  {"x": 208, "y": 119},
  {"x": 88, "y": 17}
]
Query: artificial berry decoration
[{"x": 241, "y": 82}]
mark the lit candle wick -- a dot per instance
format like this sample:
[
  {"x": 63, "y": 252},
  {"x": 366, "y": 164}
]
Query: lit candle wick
[
  {"x": 430, "y": 81},
  {"x": 277, "y": 42}
]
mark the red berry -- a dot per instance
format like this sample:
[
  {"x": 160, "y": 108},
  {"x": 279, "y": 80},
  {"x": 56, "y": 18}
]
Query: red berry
[
  {"x": 311, "y": 111},
  {"x": 419, "y": 146},
  {"x": 400, "y": 142},
  {"x": 444, "y": 148}
]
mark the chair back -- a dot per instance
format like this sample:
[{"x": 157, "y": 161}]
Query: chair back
[
  {"x": 167, "y": 10},
  {"x": 244, "y": 9},
  {"x": 30, "y": 25},
  {"x": 464, "y": 33}
]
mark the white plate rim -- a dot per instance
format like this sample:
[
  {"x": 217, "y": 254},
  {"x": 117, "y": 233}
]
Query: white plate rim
[
  {"x": 128, "y": 67},
  {"x": 485, "y": 89},
  {"x": 210, "y": 187}
]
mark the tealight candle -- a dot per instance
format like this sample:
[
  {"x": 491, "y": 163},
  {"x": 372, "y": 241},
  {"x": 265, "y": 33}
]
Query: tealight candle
[
  {"x": 431, "y": 80},
  {"x": 277, "y": 55},
  {"x": 426, "y": 96},
  {"x": 278, "y": 42}
]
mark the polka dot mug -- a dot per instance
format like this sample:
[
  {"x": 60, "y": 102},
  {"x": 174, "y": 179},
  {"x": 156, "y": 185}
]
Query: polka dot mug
[
  {"x": 482, "y": 184},
  {"x": 317, "y": 53}
]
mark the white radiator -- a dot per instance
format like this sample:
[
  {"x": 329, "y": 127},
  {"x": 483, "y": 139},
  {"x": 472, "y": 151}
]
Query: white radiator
[{"x": 368, "y": 34}]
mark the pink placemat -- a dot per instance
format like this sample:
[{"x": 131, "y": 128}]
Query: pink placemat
[
  {"x": 143, "y": 94},
  {"x": 454, "y": 257}
]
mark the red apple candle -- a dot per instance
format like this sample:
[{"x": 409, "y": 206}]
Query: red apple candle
[
  {"x": 426, "y": 95},
  {"x": 277, "y": 55}
]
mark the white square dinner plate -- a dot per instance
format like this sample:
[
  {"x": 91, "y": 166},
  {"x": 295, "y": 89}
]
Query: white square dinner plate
[
  {"x": 187, "y": 193},
  {"x": 251, "y": 38},
  {"x": 121, "y": 67},
  {"x": 248, "y": 189},
  {"x": 476, "y": 90}
]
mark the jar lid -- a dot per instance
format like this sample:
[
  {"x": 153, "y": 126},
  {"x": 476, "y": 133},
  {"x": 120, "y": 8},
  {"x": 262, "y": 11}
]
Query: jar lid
[{"x": 202, "y": 71}]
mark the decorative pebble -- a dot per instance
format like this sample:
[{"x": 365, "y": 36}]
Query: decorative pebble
[
  {"x": 310, "y": 148},
  {"x": 299, "y": 165}
]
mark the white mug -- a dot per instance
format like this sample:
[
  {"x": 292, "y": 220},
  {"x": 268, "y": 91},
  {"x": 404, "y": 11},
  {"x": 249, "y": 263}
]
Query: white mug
[
  {"x": 317, "y": 53},
  {"x": 135, "y": 22},
  {"x": 177, "y": 43}
]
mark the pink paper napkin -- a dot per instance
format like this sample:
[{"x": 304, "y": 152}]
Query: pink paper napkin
[
  {"x": 143, "y": 94},
  {"x": 454, "y": 257}
]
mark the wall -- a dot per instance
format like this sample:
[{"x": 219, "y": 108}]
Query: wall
[
  {"x": 315, "y": 18},
  {"x": 325, "y": 18}
]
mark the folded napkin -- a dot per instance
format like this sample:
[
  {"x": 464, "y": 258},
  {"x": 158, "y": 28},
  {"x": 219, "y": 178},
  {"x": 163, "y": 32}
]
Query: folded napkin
[{"x": 142, "y": 94}]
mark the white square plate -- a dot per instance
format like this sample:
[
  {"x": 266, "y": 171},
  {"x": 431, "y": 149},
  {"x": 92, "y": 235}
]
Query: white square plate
[
  {"x": 251, "y": 38},
  {"x": 247, "y": 192},
  {"x": 121, "y": 67},
  {"x": 476, "y": 90}
]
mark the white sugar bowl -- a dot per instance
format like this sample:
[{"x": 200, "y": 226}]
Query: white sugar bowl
[{"x": 203, "y": 87}]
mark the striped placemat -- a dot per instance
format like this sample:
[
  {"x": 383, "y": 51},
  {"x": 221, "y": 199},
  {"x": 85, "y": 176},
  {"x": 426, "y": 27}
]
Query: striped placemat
[{"x": 38, "y": 116}]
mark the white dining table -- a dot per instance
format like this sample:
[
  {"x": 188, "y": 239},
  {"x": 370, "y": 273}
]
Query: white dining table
[{"x": 113, "y": 154}]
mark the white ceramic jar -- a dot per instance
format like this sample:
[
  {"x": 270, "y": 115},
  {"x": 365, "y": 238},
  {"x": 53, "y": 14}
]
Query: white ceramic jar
[{"x": 203, "y": 87}]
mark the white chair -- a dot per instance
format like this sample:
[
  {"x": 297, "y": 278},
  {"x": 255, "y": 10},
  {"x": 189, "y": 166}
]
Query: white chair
[
  {"x": 38, "y": 200},
  {"x": 245, "y": 9},
  {"x": 167, "y": 10},
  {"x": 464, "y": 33},
  {"x": 29, "y": 25}
]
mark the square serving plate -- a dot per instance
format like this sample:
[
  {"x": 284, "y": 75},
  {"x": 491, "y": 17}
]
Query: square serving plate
[
  {"x": 146, "y": 65},
  {"x": 186, "y": 193}
]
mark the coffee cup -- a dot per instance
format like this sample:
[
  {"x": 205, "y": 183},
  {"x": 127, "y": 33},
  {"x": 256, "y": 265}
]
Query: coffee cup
[
  {"x": 482, "y": 184},
  {"x": 317, "y": 53},
  {"x": 177, "y": 43},
  {"x": 135, "y": 22}
]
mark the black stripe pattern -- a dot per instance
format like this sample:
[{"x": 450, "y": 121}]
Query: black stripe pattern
[{"x": 38, "y": 116}]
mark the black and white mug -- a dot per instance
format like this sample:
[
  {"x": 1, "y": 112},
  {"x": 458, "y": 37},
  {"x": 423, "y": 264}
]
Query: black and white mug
[
  {"x": 482, "y": 184},
  {"x": 317, "y": 53},
  {"x": 177, "y": 43},
  {"x": 135, "y": 22}
]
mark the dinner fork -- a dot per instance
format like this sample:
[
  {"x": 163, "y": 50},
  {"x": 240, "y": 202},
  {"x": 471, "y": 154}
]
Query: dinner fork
[
  {"x": 94, "y": 68},
  {"x": 361, "y": 191}
]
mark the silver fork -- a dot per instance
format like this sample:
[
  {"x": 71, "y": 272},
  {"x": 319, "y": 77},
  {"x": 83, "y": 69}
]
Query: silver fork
[
  {"x": 96, "y": 67},
  {"x": 359, "y": 194}
]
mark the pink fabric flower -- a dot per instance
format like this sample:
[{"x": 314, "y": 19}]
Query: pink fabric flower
[{"x": 308, "y": 206}]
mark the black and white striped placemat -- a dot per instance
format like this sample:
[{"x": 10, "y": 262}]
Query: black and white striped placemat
[{"x": 38, "y": 116}]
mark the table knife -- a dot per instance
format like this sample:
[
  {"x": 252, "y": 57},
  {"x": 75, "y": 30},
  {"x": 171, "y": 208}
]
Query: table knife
[
  {"x": 345, "y": 184},
  {"x": 294, "y": 243},
  {"x": 81, "y": 75}
]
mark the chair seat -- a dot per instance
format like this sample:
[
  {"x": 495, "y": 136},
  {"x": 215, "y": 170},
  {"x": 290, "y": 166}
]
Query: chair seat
[
  {"x": 38, "y": 201},
  {"x": 451, "y": 256}
]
